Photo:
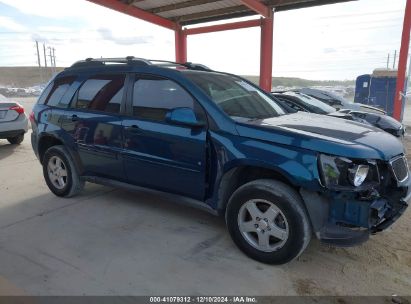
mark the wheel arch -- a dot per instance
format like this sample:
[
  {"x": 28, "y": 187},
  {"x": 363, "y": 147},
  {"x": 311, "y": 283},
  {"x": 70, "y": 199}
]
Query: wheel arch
[
  {"x": 47, "y": 141},
  {"x": 239, "y": 175}
]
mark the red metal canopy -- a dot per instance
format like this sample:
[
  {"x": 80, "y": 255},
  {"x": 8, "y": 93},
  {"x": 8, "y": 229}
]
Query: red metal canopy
[
  {"x": 402, "y": 64},
  {"x": 175, "y": 14}
]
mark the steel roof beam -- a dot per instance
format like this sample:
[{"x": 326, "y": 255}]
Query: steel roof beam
[
  {"x": 212, "y": 13},
  {"x": 176, "y": 6},
  {"x": 217, "y": 18},
  {"x": 222, "y": 27},
  {"x": 130, "y": 2},
  {"x": 134, "y": 11},
  {"x": 258, "y": 7}
]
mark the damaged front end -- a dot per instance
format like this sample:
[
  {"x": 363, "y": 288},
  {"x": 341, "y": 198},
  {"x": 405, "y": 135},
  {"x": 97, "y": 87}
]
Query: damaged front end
[{"x": 359, "y": 197}]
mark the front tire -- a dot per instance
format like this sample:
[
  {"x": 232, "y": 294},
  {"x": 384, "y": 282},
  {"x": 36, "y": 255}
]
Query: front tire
[
  {"x": 267, "y": 221},
  {"x": 16, "y": 140},
  {"x": 60, "y": 173}
]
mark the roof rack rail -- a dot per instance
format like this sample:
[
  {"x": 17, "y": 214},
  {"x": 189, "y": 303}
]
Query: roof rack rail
[
  {"x": 197, "y": 66},
  {"x": 101, "y": 61},
  {"x": 98, "y": 62},
  {"x": 188, "y": 65}
]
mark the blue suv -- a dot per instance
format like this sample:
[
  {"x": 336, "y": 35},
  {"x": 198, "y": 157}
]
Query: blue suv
[{"x": 220, "y": 143}]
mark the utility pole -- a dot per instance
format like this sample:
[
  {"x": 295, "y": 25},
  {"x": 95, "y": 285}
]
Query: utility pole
[
  {"x": 54, "y": 57},
  {"x": 395, "y": 59},
  {"x": 45, "y": 58},
  {"x": 38, "y": 54},
  {"x": 51, "y": 60},
  {"x": 388, "y": 61},
  {"x": 38, "y": 61}
]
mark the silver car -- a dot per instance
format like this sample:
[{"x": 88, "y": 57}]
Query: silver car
[{"x": 13, "y": 121}]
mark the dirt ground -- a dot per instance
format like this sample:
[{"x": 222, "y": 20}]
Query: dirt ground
[{"x": 114, "y": 242}]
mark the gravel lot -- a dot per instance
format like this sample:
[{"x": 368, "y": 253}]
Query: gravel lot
[{"x": 114, "y": 242}]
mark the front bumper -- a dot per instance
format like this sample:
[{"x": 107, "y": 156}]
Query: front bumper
[
  {"x": 341, "y": 220},
  {"x": 393, "y": 215}
]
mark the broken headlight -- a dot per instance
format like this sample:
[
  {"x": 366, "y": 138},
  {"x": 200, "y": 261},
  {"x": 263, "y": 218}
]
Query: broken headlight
[{"x": 340, "y": 173}]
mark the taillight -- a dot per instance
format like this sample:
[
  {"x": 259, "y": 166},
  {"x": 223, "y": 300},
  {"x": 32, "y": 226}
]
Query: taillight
[{"x": 19, "y": 109}]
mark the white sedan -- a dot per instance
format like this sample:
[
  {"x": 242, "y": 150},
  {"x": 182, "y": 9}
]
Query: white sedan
[{"x": 13, "y": 121}]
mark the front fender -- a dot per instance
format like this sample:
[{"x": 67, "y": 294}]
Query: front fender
[{"x": 296, "y": 165}]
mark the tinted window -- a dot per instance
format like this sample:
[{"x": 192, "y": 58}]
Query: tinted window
[
  {"x": 315, "y": 105},
  {"x": 60, "y": 87},
  {"x": 293, "y": 105},
  {"x": 153, "y": 98},
  {"x": 45, "y": 93},
  {"x": 236, "y": 97},
  {"x": 101, "y": 93}
]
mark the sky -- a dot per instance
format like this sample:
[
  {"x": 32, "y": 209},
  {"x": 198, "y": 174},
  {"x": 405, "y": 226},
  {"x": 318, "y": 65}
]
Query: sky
[{"x": 332, "y": 42}]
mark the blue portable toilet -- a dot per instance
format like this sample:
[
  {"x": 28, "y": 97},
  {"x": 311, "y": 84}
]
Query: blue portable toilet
[{"x": 377, "y": 89}]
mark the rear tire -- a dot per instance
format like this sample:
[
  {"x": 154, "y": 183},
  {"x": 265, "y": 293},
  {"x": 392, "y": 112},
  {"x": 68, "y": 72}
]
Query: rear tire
[
  {"x": 60, "y": 173},
  {"x": 267, "y": 221},
  {"x": 16, "y": 140}
]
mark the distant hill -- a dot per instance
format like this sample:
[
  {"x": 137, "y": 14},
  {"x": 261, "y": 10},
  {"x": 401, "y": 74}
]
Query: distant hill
[
  {"x": 299, "y": 82},
  {"x": 29, "y": 76},
  {"x": 21, "y": 77}
]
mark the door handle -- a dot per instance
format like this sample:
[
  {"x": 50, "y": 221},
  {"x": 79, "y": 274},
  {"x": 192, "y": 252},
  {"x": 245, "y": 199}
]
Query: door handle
[
  {"x": 74, "y": 117},
  {"x": 133, "y": 128}
]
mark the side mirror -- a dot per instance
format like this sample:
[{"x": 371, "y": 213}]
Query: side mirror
[{"x": 183, "y": 116}]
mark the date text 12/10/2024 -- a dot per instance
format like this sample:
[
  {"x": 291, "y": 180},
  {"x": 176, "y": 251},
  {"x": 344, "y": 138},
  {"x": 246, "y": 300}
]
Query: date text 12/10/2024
[{"x": 203, "y": 299}]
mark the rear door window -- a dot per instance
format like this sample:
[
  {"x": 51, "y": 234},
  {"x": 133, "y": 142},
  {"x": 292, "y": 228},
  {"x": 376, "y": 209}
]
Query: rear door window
[{"x": 103, "y": 93}]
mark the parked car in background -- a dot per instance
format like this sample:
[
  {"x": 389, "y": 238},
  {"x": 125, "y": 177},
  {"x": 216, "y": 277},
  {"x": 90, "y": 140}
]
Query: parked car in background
[
  {"x": 219, "y": 142},
  {"x": 13, "y": 121},
  {"x": 293, "y": 101},
  {"x": 337, "y": 101}
]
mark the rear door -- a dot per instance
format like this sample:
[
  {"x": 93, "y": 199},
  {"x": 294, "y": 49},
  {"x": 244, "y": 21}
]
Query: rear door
[
  {"x": 157, "y": 154},
  {"x": 93, "y": 122}
]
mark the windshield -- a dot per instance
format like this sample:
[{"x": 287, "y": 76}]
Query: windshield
[
  {"x": 236, "y": 97},
  {"x": 326, "y": 96},
  {"x": 315, "y": 105}
]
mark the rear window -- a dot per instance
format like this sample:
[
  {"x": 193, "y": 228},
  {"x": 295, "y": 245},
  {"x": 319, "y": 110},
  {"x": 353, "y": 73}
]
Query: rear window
[{"x": 56, "y": 90}]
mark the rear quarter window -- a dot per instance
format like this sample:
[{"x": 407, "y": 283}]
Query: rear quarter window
[
  {"x": 57, "y": 90},
  {"x": 45, "y": 93}
]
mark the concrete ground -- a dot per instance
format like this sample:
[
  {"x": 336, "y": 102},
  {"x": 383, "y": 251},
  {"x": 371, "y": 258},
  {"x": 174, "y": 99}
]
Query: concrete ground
[{"x": 114, "y": 242}]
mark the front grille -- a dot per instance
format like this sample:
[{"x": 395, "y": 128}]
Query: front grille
[{"x": 399, "y": 168}]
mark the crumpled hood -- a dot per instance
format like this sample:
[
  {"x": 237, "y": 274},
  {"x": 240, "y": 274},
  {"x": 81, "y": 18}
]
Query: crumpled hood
[{"x": 325, "y": 134}]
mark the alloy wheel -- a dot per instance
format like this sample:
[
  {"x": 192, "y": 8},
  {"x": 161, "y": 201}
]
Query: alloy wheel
[{"x": 263, "y": 225}]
